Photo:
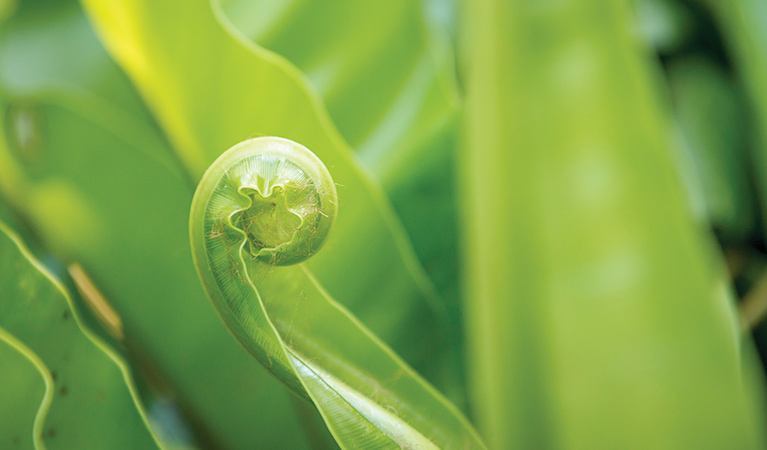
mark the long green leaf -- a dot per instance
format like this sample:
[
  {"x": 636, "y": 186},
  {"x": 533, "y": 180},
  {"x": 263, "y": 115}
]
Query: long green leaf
[
  {"x": 90, "y": 400},
  {"x": 599, "y": 318},
  {"x": 711, "y": 115},
  {"x": 742, "y": 25}
]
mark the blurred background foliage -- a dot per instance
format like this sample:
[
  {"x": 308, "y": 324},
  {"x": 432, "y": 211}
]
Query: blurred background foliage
[{"x": 469, "y": 138}]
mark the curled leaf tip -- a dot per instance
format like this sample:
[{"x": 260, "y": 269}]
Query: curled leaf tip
[
  {"x": 274, "y": 192},
  {"x": 263, "y": 206}
]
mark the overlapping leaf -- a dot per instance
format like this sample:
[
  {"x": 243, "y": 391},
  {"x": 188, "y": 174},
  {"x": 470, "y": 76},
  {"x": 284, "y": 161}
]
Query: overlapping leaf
[{"x": 83, "y": 394}]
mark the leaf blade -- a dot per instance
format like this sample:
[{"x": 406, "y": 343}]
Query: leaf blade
[
  {"x": 103, "y": 407},
  {"x": 584, "y": 257}
]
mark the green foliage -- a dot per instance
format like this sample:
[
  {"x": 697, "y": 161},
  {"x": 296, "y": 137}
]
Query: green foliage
[
  {"x": 82, "y": 390},
  {"x": 581, "y": 178},
  {"x": 619, "y": 287}
]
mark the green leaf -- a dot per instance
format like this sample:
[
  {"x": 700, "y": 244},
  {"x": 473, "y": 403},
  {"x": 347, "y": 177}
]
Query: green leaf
[
  {"x": 583, "y": 255},
  {"x": 711, "y": 116},
  {"x": 246, "y": 247},
  {"x": 90, "y": 400},
  {"x": 742, "y": 25}
]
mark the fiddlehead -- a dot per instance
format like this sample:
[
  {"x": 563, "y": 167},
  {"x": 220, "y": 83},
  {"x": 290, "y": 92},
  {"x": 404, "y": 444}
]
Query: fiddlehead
[
  {"x": 276, "y": 193},
  {"x": 262, "y": 207},
  {"x": 265, "y": 202}
]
